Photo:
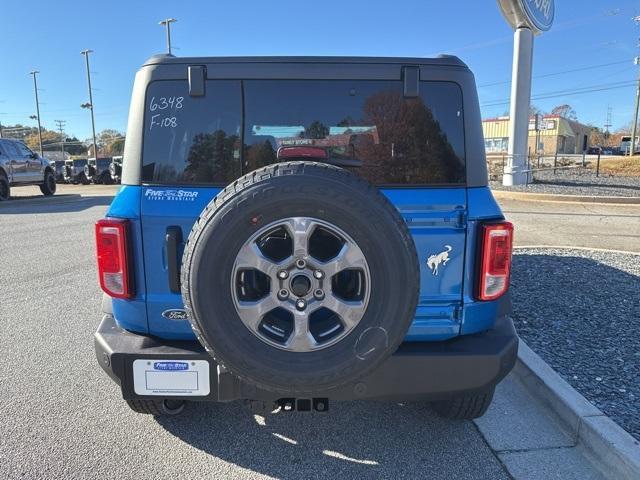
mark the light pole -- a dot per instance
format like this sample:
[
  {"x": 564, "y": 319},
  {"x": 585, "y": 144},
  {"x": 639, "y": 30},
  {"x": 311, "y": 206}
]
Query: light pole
[
  {"x": 35, "y": 89},
  {"x": 90, "y": 104},
  {"x": 167, "y": 23}
]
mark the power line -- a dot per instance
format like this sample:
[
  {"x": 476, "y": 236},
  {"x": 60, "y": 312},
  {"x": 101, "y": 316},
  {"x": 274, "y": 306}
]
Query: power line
[
  {"x": 581, "y": 69},
  {"x": 563, "y": 93}
]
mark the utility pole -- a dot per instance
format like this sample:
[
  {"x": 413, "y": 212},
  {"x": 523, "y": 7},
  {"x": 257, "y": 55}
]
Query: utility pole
[
  {"x": 90, "y": 104},
  {"x": 60, "y": 124},
  {"x": 634, "y": 128},
  {"x": 608, "y": 125},
  {"x": 35, "y": 89},
  {"x": 167, "y": 23}
]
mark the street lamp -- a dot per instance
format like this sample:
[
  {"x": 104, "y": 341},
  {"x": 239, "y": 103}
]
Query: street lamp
[
  {"x": 167, "y": 23},
  {"x": 89, "y": 105},
  {"x": 37, "y": 116}
]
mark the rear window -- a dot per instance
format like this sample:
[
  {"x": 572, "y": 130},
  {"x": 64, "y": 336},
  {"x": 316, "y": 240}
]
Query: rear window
[{"x": 365, "y": 126}]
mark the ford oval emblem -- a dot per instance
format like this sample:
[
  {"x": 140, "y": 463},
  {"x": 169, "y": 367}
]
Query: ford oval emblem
[
  {"x": 175, "y": 314},
  {"x": 540, "y": 13}
]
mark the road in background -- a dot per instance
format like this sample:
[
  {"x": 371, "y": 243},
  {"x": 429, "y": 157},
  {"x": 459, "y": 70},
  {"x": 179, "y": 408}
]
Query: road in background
[{"x": 614, "y": 227}]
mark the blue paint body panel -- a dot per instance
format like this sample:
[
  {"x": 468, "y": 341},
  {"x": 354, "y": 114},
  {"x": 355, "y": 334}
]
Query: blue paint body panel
[{"x": 438, "y": 218}]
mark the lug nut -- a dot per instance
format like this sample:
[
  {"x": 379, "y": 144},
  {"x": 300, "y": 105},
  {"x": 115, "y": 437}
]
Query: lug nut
[
  {"x": 318, "y": 274},
  {"x": 318, "y": 294},
  {"x": 282, "y": 274},
  {"x": 301, "y": 304},
  {"x": 283, "y": 294},
  {"x": 301, "y": 264}
]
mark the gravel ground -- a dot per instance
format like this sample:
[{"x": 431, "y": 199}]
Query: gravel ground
[
  {"x": 578, "y": 182},
  {"x": 579, "y": 311}
]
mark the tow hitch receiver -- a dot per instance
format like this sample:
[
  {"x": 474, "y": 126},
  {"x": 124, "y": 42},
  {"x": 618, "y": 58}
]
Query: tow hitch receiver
[{"x": 303, "y": 404}]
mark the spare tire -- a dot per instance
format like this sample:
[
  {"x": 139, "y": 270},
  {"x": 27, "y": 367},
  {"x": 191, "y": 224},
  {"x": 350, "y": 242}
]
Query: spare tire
[{"x": 300, "y": 277}]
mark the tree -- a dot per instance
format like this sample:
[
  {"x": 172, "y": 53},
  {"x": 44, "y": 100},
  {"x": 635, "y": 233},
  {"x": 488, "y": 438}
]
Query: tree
[
  {"x": 49, "y": 137},
  {"x": 110, "y": 142},
  {"x": 316, "y": 130},
  {"x": 565, "y": 111},
  {"x": 534, "y": 110},
  {"x": 116, "y": 147},
  {"x": 597, "y": 137}
]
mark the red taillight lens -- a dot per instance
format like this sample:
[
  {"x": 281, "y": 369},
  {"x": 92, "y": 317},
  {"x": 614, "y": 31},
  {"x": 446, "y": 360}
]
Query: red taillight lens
[
  {"x": 497, "y": 244},
  {"x": 112, "y": 253}
]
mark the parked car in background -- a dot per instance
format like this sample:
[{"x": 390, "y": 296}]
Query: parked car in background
[
  {"x": 58, "y": 169},
  {"x": 625, "y": 145},
  {"x": 74, "y": 171},
  {"x": 97, "y": 171},
  {"x": 19, "y": 166},
  {"x": 115, "y": 169}
]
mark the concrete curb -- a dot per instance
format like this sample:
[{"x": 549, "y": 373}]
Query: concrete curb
[
  {"x": 549, "y": 197},
  {"x": 609, "y": 447}
]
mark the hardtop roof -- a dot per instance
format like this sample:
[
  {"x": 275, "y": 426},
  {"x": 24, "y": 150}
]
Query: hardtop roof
[{"x": 440, "y": 60}]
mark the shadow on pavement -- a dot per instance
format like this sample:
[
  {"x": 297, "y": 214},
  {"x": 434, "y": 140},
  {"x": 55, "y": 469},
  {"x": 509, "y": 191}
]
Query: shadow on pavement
[
  {"x": 56, "y": 204},
  {"x": 352, "y": 440}
]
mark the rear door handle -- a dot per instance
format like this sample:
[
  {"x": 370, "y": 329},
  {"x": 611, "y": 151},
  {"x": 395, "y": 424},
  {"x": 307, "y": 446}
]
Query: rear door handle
[{"x": 173, "y": 240}]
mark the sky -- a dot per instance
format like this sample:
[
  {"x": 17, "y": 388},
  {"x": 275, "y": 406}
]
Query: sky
[{"x": 590, "y": 48}]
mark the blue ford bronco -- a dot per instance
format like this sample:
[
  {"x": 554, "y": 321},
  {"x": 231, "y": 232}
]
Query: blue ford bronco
[{"x": 295, "y": 231}]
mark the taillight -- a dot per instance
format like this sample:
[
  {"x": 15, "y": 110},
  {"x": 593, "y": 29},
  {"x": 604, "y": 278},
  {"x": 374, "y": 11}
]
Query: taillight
[
  {"x": 113, "y": 259},
  {"x": 495, "y": 258}
]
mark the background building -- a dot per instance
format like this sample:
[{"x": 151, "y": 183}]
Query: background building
[{"x": 554, "y": 134}]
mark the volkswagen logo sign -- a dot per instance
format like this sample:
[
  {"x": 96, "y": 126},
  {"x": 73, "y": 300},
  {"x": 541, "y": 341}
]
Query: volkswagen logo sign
[{"x": 538, "y": 15}]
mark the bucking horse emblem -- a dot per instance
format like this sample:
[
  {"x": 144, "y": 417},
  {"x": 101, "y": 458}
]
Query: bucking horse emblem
[{"x": 434, "y": 261}]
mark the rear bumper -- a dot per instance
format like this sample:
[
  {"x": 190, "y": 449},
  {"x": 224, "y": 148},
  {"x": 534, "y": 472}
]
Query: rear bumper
[{"x": 426, "y": 371}]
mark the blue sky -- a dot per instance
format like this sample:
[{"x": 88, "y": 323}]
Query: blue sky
[{"x": 48, "y": 36}]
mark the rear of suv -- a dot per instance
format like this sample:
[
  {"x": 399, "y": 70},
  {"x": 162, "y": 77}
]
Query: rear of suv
[
  {"x": 293, "y": 231},
  {"x": 20, "y": 166},
  {"x": 97, "y": 170}
]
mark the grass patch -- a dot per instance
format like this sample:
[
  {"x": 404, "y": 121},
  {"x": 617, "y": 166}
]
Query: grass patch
[{"x": 619, "y": 166}]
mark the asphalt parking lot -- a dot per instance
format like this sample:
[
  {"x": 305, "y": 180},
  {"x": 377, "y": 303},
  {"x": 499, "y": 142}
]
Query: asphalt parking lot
[{"x": 63, "y": 418}]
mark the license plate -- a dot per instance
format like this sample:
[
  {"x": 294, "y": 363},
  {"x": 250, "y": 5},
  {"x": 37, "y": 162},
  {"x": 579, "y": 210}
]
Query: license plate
[{"x": 171, "y": 377}]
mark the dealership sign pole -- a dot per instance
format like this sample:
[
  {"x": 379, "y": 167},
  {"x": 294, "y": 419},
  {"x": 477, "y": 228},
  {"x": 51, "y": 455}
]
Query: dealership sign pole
[{"x": 528, "y": 18}]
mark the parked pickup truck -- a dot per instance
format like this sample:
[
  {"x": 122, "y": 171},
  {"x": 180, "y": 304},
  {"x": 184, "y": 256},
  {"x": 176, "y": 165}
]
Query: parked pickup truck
[
  {"x": 297, "y": 231},
  {"x": 19, "y": 166}
]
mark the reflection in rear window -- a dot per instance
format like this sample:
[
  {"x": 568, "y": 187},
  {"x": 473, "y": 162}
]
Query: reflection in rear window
[
  {"x": 192, "y": 140},
  {"x": 365, "y": 126}
]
